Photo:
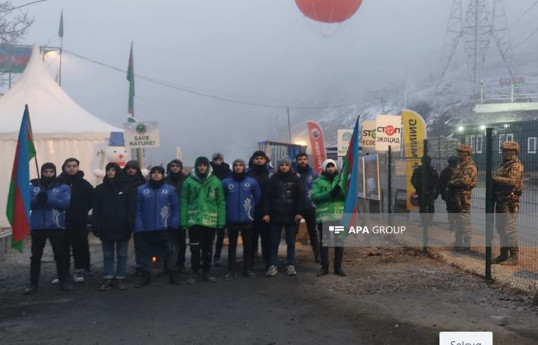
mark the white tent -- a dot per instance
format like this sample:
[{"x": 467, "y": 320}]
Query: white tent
[{"x": 61, "y": 128}]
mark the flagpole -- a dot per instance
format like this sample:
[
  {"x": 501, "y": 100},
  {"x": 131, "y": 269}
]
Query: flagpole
[{"x": 61, "y": 34}]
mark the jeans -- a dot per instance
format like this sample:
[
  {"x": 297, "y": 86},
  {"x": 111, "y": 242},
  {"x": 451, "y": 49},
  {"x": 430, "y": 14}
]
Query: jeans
[
  {"x": 155, "y": 243},
  {"x": 262, "y": 230},
  {"x": 109, "y": 249},
  {"x": 78, "y": 240},
  {"x": 276, "y": 230},
  {"x": 309, "y": 215},
  {"x": 60, "y": 248},
  {"x": 139, "y": 250},
  {"x": 181, "y": 247},
  {"x": 246, "y": 235},
  {"x": 201, "y": 240}
]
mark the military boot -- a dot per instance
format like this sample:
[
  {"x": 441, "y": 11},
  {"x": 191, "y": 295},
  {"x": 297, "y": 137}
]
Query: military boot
[
  {"x": 514, "y": 257},
  {"x": 143, "y": 279},
  {"x": 502, "y": 257}
]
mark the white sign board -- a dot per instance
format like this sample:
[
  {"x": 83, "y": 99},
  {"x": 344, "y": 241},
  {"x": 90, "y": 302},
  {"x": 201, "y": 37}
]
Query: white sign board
[
  {"x": 388, "y": 132},
  {"x": 368, "y": 135},
  {"x": 141, "y": 134},
  {"x": 344, "y": 137}
]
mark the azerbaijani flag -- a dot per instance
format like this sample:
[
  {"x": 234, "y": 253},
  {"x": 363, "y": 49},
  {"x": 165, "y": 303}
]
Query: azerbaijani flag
[
  {"x": 18, "y": 202},
  {"x": 130, "y": 78},
  {"x": 350, "y": 175}
]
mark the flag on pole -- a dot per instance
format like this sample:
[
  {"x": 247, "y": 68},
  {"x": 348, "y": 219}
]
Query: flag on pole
[
  {"x": 130, "y": 78},
  {"x": 18, "y": 202},
  {"x": 318, "y": 146},
  {"x": 61, "y": 29},
  {"x": 350, "y": 175}
]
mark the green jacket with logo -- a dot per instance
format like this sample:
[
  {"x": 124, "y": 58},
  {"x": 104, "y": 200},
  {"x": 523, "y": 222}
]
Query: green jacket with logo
[
  {"x": 327, "y": 207},
  {"x": 203, "y": 202}
]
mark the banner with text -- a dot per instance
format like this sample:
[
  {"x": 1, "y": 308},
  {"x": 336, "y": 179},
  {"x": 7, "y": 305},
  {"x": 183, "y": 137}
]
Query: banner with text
[
  {"x": 344, "y": 137},
  {"x": 317, "y": 145},
  {"x": 368, "y": 136},
  {"x": 141, "y": 134},
  {"x": 414, "y": 134},
  {"x": 388, "y": 132}
]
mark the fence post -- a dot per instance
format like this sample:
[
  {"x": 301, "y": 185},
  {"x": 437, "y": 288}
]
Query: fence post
[
  {"x": 489, "y": 201},
  {"x": 422, "y": 211},
  {"x": 481, "y": 91},
  {"x": 389, "y": 182}
]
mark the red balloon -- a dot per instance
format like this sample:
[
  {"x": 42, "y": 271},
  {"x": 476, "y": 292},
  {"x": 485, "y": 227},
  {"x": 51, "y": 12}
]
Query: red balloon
[{"x": 328, "y": 11}]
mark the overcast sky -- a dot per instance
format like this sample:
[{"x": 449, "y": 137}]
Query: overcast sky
[{"x": 256, "y": 51}]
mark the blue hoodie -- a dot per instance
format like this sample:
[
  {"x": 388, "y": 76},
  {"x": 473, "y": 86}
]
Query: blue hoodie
[
  {"x": 50, "y": 215},
  {"x": 156, "y": 209},
  {"x": 242, "y": 198}
]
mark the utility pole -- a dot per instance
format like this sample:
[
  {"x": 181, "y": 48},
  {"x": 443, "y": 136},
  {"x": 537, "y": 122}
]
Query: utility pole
[{"x": 289, "y": 125}]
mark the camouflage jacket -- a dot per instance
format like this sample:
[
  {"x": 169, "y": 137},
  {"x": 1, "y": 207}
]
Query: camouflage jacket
[
  {"x": 508, "y": 180},
  {"x": 464, "y": 176}
]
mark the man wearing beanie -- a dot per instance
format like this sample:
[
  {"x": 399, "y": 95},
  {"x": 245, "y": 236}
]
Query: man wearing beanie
[
  {"x": 243, "y": 195},
  {"x": 49, "y": 199},
  {"x": 157, "y": 217},
  {"x": 283, "y": 207},
  {"x": 221, "y": 170},
  {"x": 308, "y": 175},
  {"x": 76, "y": 216},
  {"x": 328, "y": 192},
  {"x": 260, "y": 170},
  {"x": 175, "y": 177},
  {"x": 203, "y": 210}
]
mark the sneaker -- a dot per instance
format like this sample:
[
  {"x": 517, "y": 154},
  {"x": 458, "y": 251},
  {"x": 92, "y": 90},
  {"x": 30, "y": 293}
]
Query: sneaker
[
  {"x": 120, "y": 284},
  {"x": 229, "y": 276},
  {"x": 30, "y": 290},
  {"x": 250, "y": 274},
  {"x": 79, "y": 276},
  {"x": 209, "y": 278},
  {"x": 107, "y": 285},
  {"x": 66, "y": 286},
  {"x": 340, "y": 272},
  {"x": 290, "y": 270},
  {"x": 193, "y": 278},
  {"x": 216, "y": 262},
  {"x": 55, "y": 281},
  {"x": 173, "y": 278},
  {"x": 271, "y": 271},
  {"x": 322, "y": 272}
]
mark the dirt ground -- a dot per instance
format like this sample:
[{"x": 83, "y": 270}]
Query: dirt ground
[{"x": 388, "y": 297}]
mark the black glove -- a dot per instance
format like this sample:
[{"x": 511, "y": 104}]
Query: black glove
[
  {"x": 42, "y": 197},
  {"x": 335, "y": 191}
]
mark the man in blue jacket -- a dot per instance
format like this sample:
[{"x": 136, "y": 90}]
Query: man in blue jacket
[
  {"x": 49, "y": 201},
  {"x": 308, "y": 175},
  {"x": 157, "y": 217},
  {"x": 242, "y": 195}
]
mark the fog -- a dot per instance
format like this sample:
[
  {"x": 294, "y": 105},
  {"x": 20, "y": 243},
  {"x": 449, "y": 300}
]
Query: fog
[{"x": 261, "y": 55}]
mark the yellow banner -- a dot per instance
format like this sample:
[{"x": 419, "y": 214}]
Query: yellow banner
[{"x": 414, "y": 135}]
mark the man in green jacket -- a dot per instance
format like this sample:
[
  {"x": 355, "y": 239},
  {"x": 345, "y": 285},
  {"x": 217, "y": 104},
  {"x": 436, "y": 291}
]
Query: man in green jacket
[
  {"x": 328, "y": 193},
  {"x": 203, "y": 211}
]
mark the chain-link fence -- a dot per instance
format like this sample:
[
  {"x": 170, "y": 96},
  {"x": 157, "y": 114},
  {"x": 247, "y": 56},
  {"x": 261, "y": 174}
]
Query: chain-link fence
[{"x": 484, "y": 225}]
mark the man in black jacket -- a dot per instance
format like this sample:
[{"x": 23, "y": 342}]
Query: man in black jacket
[
  {"x": 175, "y": 177},
  {"x": 426, "y": 198},
  {"x": 283, "y": 207},
  {"x": 447, "y": 194},
  {"x": 77, "y": 216}
]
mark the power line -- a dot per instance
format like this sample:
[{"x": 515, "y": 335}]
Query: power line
[
  {"x": 205, "y": 94},
  {"x": 21, "y": 6},
  {"x": 524, "y": 13},
  {"x": 526, "y": 38}
]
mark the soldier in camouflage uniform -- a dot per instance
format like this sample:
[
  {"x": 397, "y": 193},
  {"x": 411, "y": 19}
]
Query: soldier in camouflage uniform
[
  {"x": 462, "y": 182},
  {"x": 507, "y": 187}
]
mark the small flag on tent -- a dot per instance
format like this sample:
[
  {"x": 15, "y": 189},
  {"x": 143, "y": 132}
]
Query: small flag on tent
[
  {"x": 350, "y": 175},
  {"x": 61, "y": 29},
  {"x": 130, "y": 78},
  {"x": 18, "y": 202}
]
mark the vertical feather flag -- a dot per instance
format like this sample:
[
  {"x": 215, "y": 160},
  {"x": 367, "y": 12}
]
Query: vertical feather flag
[
  {"x": 350, "y": 175},
  {"x": 130, "y": 78},
  {"x": 18, "y": 202},
  {"x": 61, "y": 29}
]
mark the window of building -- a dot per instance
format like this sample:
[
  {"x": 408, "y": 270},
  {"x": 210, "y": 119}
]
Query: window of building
[
  {"x": 478, "y": 148},
  {"x": 531, "y": 144}
]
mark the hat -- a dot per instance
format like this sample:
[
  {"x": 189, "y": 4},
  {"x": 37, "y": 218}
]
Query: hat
[
  {"x": 201, "y": 160},
  {"x": 132, "y": 164},
  {"x": 259, "y": 154},
  {"x": 284, "y": 161},
  {"x": 217, "y": 155},
  {"x": 116, "y": 139},
  {"x": 510, "y": 145},
  {"x": 464, "y": 148},
  {"x": 48, "y": 165},
  {"x": 156, "y": 168},
  {"x": 239, "y": 161},
  {"x": 327, "y": 162}
]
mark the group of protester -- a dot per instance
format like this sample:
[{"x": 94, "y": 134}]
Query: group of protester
[
  {"x": 455, "y": 185},
  {"x": 162, "y": 211}
]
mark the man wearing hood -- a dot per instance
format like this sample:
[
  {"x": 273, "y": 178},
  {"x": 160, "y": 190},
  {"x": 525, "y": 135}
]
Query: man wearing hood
[
  {"x": 49, "y": 199},
  {"x": 157, "y": 218},
  {"x": 133, "y": 177},
  {"x": 243, "y": 195},
  {"x": 203, "y": 210},
  {"x": 76, "y": 216},
  {"x": 260, "y": 170},
  {"x": 328, "y": 192},
  {"x": 446, "y": 193},
  {"x": 221, "y": 170},
  {"x": 175, "y": 177},
  {"x": 308, "y": 175},
  {"x": 283, "y": 207},
  {"x": 426, "y": 198}
]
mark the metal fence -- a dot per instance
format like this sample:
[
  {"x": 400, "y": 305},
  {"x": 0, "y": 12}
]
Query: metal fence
[{"x": 486, "y": 153}]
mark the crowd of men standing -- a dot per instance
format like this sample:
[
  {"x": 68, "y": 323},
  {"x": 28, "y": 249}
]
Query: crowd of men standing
[
  {"x": 160, "y": 213},
  {"x": 455, "y": 185}
]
